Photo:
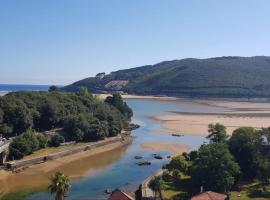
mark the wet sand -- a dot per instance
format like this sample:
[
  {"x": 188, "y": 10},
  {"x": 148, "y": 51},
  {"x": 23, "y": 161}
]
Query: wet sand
[
  {"x": 174, "y": 149},
  {"x": 75, "y": 166},
  {"x": 198, "y": 124},
  {"x": 238, "y": 114}
]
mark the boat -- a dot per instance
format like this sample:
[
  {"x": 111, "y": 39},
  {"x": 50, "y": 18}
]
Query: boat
[
  {"x": 138, "y": 157},
  {"x": 144, "y": 163},
  {"x": 158, "y": 157}
]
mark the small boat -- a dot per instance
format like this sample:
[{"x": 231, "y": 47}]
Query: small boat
[
  {"x": 138, "y": 157},
  {"x": 144, "y": 163},
  {"x": 177, "y": 135},
  {"x": 158, "y": 157}
]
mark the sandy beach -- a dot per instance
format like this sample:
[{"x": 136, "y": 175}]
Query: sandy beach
[
  {"x": 174, "y": 149},
  {"x": 238, "y": 114},
  {"x": 197, "y": 124}
]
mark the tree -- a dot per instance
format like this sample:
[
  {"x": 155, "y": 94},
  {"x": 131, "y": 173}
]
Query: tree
[
  {"x": 42, "y": 141},
  {"x": 19, "y": 148},
  {"x": 54, "y": 88},
  {"x": 244, "y": 144},
  {"x": 19, "y": 117},
  {"x": 117, "y": 101},
  {"x": 214, "y": 168},
  {"x": 178, "y": 163},
  {"x": 32, "y": 140},
  {"x": 6, "y": 130},
  {"x": 1, "y": 115},
  {"x": 217, "y": 133},
  {"x": 84, "y": 92},
  {"x": 56, "y": 140},
  {"x": 26, "y": 144},
  {"x": 156, "y": 184},
  {"x": 49, "y": 115},
  {"x": 60, "y": 185}
]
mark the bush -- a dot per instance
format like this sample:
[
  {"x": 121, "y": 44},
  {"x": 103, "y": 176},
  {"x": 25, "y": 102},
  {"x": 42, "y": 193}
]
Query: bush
[
  {"x": 26, "y": 144},
  {"x": 56, "y": 140}
]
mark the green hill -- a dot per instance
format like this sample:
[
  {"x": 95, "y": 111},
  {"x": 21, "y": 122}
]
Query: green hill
[{"x": 213, "y": 77}]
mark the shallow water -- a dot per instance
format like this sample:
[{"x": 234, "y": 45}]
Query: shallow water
[{"x": 119, "y": 169}]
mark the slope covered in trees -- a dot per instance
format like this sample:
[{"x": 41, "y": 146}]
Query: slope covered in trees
[
  {"x": 217, "y": 77},
  {"x": 81, "y": 115}
]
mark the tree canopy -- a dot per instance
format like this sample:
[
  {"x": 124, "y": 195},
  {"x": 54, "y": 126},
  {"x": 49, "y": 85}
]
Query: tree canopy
[
  {"x": 82, "y": 116},
  {"x": 60, "y": 185},
  {"x": 217, "y": 133}
]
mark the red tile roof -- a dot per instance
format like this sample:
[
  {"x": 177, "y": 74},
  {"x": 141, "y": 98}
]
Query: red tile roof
[
  {"x": 119, "y": 195},
  {"x": 209, "y": 196}
]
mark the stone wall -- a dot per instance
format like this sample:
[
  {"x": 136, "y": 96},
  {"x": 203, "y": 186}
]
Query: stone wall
[{"x": 24, "y": 163}]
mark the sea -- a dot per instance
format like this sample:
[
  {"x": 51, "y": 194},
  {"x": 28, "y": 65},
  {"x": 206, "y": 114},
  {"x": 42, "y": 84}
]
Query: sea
[{"x": 4, "y": 88}]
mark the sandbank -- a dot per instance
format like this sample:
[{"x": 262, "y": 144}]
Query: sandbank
[{"x": 174, "y": 149}]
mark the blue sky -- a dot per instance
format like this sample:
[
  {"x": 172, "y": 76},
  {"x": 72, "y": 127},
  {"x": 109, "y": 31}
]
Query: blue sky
[{"x": 61, "y": 41}]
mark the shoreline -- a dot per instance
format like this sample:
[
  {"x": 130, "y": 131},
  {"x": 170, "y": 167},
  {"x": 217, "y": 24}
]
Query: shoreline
[
  {"x": 39, "y": 173},
  {"x": 203, "y": 100},
  {"x": 197, "y": 123}
]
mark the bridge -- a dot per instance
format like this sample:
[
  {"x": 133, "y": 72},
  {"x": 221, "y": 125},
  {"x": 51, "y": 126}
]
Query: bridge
[{"x": 4, "y": 147}]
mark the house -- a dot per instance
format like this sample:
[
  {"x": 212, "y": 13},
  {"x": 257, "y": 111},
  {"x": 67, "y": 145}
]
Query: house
[
  {"x": 120, "y": 195},
  {"x": 210, "y": 196}
]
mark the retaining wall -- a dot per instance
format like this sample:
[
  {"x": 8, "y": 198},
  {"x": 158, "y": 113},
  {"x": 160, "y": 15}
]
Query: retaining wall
[{"x": 24, "y": 163}]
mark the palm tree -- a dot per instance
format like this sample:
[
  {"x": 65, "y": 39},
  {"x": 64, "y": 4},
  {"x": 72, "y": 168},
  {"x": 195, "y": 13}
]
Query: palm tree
[
  {"x": 157, "y": 184},
  {"x": 59, "y": 185}
]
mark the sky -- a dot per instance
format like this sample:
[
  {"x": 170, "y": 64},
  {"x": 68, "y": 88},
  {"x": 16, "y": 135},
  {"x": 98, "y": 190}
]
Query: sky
[{"x": 62, "y": 41}]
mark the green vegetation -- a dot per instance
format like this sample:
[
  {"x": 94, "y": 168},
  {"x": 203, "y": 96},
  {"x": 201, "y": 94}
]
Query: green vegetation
[
  {"x": 80, "y": 117},
  {"x": 157, "y": 184},
  {"x": 217, "y": 133},
  {"x": 20, "y": 194},
  {"x": 60, "y": 185},
  {"x": 225, "y": 164},
  {"x": 56, "y": 140},
  {"x": 26, "y": 144},
  {"x": 216, "y": 77}
]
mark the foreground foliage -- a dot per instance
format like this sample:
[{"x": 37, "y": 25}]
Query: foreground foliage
[
  {"x": 225, "y": 163},
  {"x": 60, "y": 185}
]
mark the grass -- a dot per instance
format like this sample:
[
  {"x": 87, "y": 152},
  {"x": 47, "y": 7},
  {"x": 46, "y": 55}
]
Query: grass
[
  {"x": 246, "y": 189},
  {"x": 51, "y": 150},
  {"x": 173, "y": 189},
  {"x": 244, "y": 196},
  {"x": 19, "y": 194}
]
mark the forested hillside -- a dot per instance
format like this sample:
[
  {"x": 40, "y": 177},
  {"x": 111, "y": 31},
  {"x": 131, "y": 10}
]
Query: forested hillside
[
  {"x": 213, "y": 77},
  {"x": 81, "y": 116}
]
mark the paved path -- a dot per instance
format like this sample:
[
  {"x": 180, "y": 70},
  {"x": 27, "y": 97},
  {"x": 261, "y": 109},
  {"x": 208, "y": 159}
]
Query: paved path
[
  {"x": 4, "y": 145},
  {"x": 147, "y": 193}
]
